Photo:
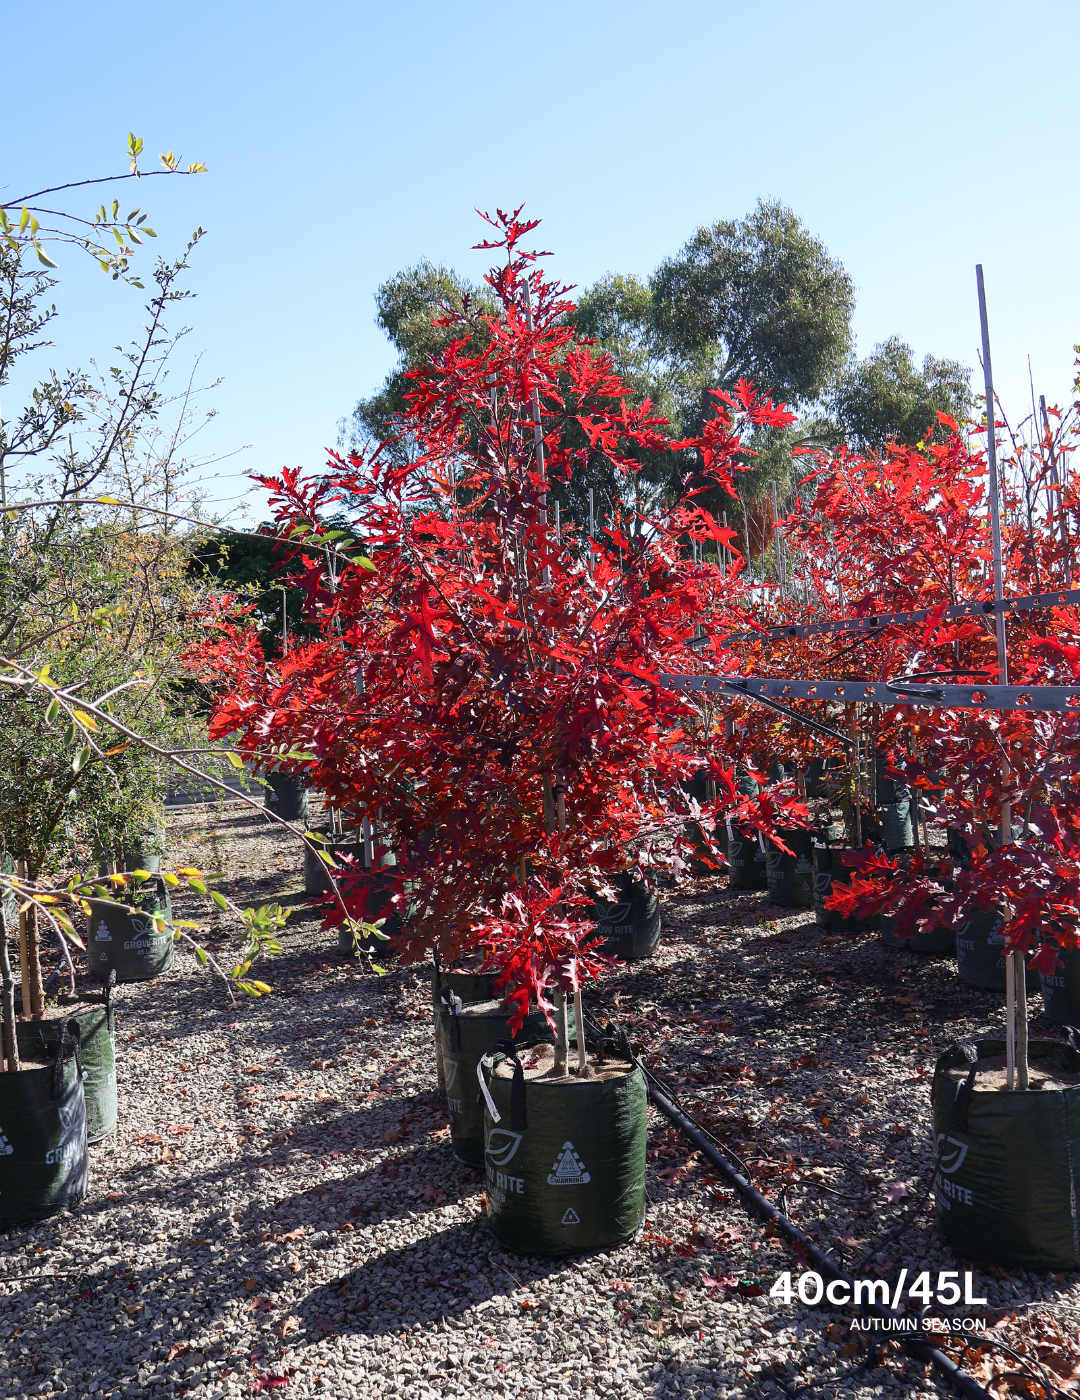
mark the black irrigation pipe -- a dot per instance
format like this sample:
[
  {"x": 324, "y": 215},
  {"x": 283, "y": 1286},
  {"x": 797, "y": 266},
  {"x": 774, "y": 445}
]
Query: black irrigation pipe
[{"x": 922, "y": 1351}]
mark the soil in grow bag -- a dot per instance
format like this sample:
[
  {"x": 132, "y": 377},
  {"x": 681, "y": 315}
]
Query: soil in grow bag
[
  {"x": 95, "y": 1014},
  {"x": 747, "y": 869},
  {"x": 630, "y": 926},
  {"x": 828, "y": 867},
  {"x": 124, "y": 940},
  {"x": 791, "y": 877},
  {"x": 287, "y": 796},
  {"x": 43, "y": 1159},
  {"x": 1007, "y": 1182},
  {"x": 1061, "y": 989},
  {"x": 464, "y": 1038},
  {"x": 565, "y": 1158},
  {"x": 980, "y": 953},
  {"x": 470, "y": 987}
]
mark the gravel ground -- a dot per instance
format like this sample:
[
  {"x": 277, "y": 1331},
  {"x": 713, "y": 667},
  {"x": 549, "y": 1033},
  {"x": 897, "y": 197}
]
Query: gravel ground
[{"x": 280, "y": 1210}]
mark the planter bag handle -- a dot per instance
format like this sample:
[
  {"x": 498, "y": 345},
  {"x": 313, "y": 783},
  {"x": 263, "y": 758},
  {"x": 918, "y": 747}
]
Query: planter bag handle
[
  {"x": 110, "y": 1012},
  {"x": 71, "y": 1028},
  {"x": 453, "y": 1004},
  {"x": 504, "y": 1050},
  {"x": 962, "y": 1101}
]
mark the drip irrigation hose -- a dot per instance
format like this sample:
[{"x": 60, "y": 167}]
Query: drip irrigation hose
[{"x": 921, "y": 1350}]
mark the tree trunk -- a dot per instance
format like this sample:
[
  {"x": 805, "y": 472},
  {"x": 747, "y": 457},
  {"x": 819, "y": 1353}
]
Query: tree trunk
[
  {"x": 562, "y": 1033},
  {"x": 1021, "y": 1022},
  {"x": 7, "y": 995},
  {"x": 30, "y": 957}
]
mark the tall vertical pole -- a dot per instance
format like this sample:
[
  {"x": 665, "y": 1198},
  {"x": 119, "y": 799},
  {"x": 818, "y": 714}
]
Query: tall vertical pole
[
  {"x": 1059, "y": 492},
  {"x": 1011, "y": 968}
]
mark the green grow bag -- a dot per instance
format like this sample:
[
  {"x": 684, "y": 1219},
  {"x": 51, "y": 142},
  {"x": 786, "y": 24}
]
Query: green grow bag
[
  {"x": 827, "y": 868},
  {"x": 1061, "y": 989},
  {"x": 791, "y": 877},
  {"x": 317, "y": 873},
  {"x": 980, "y": 953},
  {"x": 287, "y": 796},
  {"x": 124, "y": 940},
  {"x": 630, "y": 926},
  {"x": 565, "y": 1158},
  {"x": 1007, "y": 1182},
  {"x": 746, "y": 859},
  {"x": 464, "y": 1038},
  {"x": 43, "y": 1161},
  {"x": 471, "y": 987},
  {"x": 97, "y": 1029},
  {"x": 375, "y": 908},
  {"x": 938, "y": 940},
  {"x": 897, "y": 830}
]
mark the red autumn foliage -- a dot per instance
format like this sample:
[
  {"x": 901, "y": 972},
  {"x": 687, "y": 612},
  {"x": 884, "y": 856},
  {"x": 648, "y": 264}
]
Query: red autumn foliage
[{"x": 483, "y": 686}]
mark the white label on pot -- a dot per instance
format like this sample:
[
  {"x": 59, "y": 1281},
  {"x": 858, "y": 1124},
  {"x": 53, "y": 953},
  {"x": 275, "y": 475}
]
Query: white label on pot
[
  {"x": 103, "y": 935},
  {"x": 571, "y": 1217},
  {"x": 6, "y": 1148},
  {"x": 569, "y": 1169}
]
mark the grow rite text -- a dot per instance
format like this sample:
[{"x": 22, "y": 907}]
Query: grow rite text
[{"x": 812, "y": 1289}]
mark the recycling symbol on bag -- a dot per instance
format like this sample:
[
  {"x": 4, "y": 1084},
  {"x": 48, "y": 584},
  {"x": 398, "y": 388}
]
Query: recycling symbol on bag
[
  {"x": 569, "y": 1169},
  {"x": 571, "y": 1217}
]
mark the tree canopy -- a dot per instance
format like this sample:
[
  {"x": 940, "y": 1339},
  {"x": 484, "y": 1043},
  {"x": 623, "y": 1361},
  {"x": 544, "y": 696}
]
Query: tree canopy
[{"x": 888, "y": 398}]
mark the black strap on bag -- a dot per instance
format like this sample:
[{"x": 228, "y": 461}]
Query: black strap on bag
[
  {"x": 453, "y": 1004},
  {"x": 71, "y": 1028},
  {"x": 958, "y": 1116},
  {"x": 110, "y": 1013},
  {"x": 437, "y": 964},
  {"x": 507, "y": 1048}
]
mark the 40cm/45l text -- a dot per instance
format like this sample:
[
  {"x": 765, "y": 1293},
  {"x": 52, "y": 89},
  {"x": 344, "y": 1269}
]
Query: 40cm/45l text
[{"x": 811, "y": 1289}]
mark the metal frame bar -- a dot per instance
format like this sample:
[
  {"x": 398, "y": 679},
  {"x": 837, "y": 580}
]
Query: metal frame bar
[{"x": 1061, "y": 698}]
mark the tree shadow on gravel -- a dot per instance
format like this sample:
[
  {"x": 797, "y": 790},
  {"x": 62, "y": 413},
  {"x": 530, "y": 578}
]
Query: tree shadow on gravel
[{"x": 439, "y": 1276}]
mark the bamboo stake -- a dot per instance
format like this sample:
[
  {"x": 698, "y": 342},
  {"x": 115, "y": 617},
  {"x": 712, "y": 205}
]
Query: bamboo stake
[
  {"x": 1059, "y": 492},
  {"x": 1013, "y": 1006},
  {"x": 24, "y": 960}
]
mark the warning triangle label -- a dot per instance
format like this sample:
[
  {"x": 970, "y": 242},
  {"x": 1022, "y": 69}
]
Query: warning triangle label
[
  {"x": 569, "y": 1169},
  {"x": 571, "y": 1217}
]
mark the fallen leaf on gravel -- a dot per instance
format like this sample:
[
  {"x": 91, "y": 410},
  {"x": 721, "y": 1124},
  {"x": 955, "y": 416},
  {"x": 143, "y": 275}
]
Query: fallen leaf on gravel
[
  {"x": 287, "y": 1326},
  {"x": 289, "y": 1098},
  {"x": 132, "y": 1308},
  {"x": 177, "y": 1349},
  {"x": 430, "y": 1194},
  {"x": 897, "y": 1191},
  {"x": 270, "y": 1383},
  {"x": 324, "y": 1324},
  {"x": 115, "y": 1196},
  {"x": 327, "y": 1097},
  {"x": 180, "y": 1128},
  {"x": 254, "y": 1069},
  {"x": 149, "y": 1137},
  {"x": 251, "y": 1284},
  {"x": 391, "y": 1135},
  {"x": 295, "y": 1265},
  {"x": 296, "y": 1234}
]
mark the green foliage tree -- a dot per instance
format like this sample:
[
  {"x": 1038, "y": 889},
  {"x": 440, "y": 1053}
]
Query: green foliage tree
[
  {"x": 409, "y": 307},
  {"x": 888, "y": 398},
  {"x": 756, "y": 298}
]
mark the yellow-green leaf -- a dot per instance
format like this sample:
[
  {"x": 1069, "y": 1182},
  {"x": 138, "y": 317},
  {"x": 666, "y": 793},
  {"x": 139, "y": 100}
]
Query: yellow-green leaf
[
  {"x": 87, "y": 721},
  {"x": 197, "y": 886},
  {"x": 170, "y": 879},
  {"x": 219, "y": 899}
]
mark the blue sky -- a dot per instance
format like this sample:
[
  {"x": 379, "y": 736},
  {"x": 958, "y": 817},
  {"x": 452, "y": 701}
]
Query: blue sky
[{"x": 345, "y": 141}]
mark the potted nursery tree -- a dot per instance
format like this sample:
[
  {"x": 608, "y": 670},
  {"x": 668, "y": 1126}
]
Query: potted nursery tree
[{"x": 486, "y": 677}]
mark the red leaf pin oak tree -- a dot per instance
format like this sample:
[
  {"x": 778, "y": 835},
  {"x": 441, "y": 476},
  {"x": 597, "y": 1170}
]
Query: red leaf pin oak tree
[{"x": 483, "y": 686}]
